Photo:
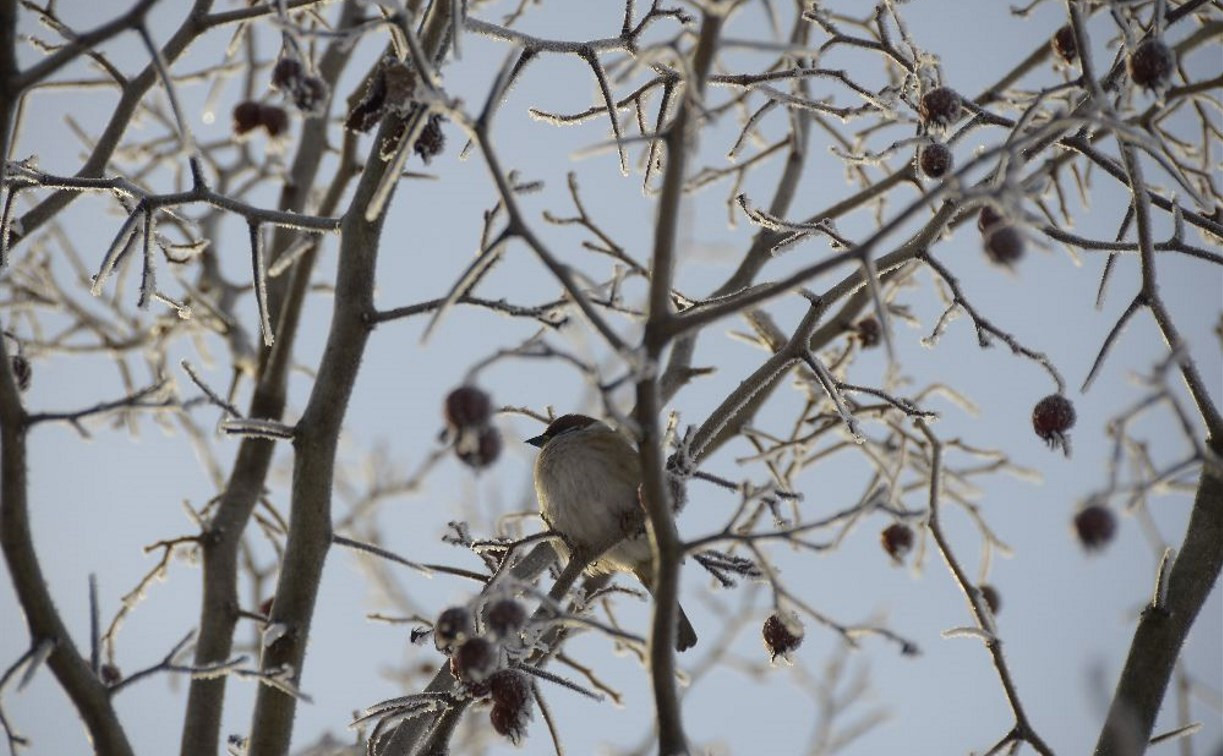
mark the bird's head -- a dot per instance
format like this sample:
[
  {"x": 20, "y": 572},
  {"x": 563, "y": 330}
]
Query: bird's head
[{"x": 563, "y": 425}]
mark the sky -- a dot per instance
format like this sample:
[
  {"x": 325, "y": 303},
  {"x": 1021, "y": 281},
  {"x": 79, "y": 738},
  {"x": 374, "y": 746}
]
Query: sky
[{"x": 1067, "y": 616}]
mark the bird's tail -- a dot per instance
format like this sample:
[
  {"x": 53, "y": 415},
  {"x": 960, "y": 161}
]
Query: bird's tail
[{"x": 685, "y": 637}]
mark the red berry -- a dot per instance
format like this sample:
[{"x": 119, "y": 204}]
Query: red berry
[
  {"x": 510, "y": 688},
  {"x": 274, "y": 119},
  {"x": 782, "y": 635},
  {"x": 479, "y": 449},
  {"x": 265, "y": 607},
  {"x": 869, "y": 332},
  {"x": 505, "y": 617},
  {"x": 897, "y": 540},
  {"x": 1095, "y": 526},
  {"x": 991, "y": 597},
  {"x": 247, "y": 116},
  {"x": 988, "y": 218},
  {"x": 935, "y": 160},
  {"x": 453, "y": 626},
  {"x": 1064, "y": 43},
  {"x": 510, "y": 722},
  {"x": 1151, "y": 63},
  {"x": 468, "y": 407},
  {"x": 940, "y": 107},
  {"x": 474, "y": 661},
  {"x": 286, "y": 74},
  {"x": 1051, "y": 418},
  {"x": 1004, "y": 244}
]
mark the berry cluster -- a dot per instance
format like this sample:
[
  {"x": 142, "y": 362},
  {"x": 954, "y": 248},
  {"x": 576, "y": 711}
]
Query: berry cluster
[
  {"x": 469, "y": 413},
  {"x": 307, "y": 91},
  {"x": 249, "y": 115},
  {"x": 481, "y": 664},
  {"x": 391, "y": 91}
]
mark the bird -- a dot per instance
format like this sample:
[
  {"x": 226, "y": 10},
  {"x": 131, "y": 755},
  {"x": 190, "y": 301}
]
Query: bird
[{"x": 587, "y": 478}]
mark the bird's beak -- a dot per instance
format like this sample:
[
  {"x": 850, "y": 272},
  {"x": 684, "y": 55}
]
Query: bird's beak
[{"x": 538, "y": 441}]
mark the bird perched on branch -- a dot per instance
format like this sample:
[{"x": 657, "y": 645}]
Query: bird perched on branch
[{"x": 587, "y": 479}]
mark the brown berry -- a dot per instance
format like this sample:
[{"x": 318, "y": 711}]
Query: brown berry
[
  {"x": 869, "y": 332},
  {"x": 1151, "y": 63},
  {"x": 940, "y": 107},
  {"x": 286, "y": 74},
  {"x": 988, "y": 218},
  {"x": 1095, "y": 526},
  {"x": 274, "y": 119},
  {"x": 479, "y": 448},
  {"x": 992, "y": 599},
  {"x": 468, "y": 407},
  {"x": 474, "y": 661},
  {"x": 453, "y": 626},
  {"x": 505, "y": 617},
  {"x": 23, "y": 372},
  {"x": 935, "y": 160},
  {"x": 897, "y": 540},
  {"x": 431, "y": 141},
  {"x": 509, "y": 688},
  {"x": 1064, "y": 43},
  {"x": 310, "y": 95},
  {"x": 247, "y": 116},
  {"x": 109, "y": 674},
  {"x": 1051, "y": 418},
  {"x": 782, "y": 635},
  {"x": 510, "y": 722},
  {"x": 1004, "y": 245}
]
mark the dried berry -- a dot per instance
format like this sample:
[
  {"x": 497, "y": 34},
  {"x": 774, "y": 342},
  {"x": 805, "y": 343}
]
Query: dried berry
[
  {"x": 265, "y": 607},
  {"x": 1151, "y": 63},
  {"x": 109, "y": 674},
  {"x": 247, "y": 116},
  {"x": 453, "y": 626},
  {"x": 935, "y": 160},
  {"x": 991, "y": 597},
  {"x": 23, "y": 372},
  {"x": 310, "y": 95},
  {"x": 1064, "y": 44},
  {"x": 782, "y": 635},
  {"x": 505, "y": 617},
  {"x": 287, "y": 73},
  {"x": 1004, "y": 245},
  {"x": 897, "y": 540},
  {"x": 431, "y": 141},
  {"x": 479, "y": 448},
  {"x": 468, "y": 407},
  {"x": 474, "y": 661},
  {"x": 940, "y": 107},
  {"x": 274, "y": 119},
  {"x": 1095, "y": 526},
  {"x": 511, "y": 722},
  {"x": 869, "y": 332},
  {"x": 1051, "y": 418},
  {"x": 988, "y": 218},
  {"x": 509, "y": 688}
]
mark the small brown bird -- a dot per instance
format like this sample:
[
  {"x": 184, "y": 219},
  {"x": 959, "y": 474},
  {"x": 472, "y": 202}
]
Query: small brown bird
[{"x": 586, "y": 479}]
